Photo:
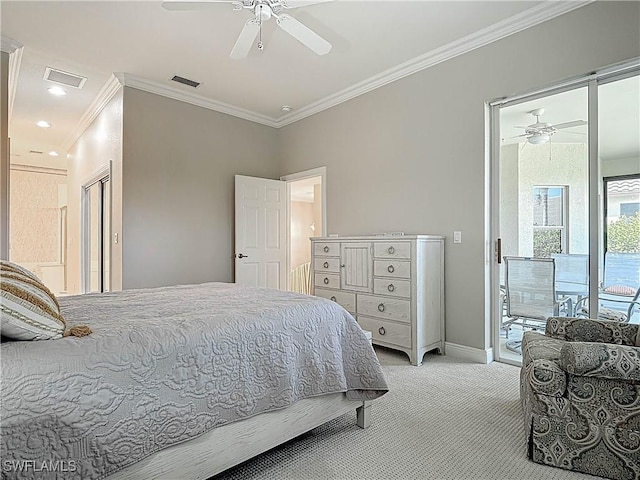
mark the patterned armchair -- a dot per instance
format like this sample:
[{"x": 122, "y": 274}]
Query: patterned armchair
[{"x": 580, "y": 391}]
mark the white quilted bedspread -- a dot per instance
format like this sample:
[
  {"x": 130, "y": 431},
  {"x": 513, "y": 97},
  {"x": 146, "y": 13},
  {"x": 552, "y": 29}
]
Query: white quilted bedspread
[{"x": 166, "y": 364}]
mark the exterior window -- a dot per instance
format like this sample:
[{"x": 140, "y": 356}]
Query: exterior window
[{"x": 549, "y": 220}]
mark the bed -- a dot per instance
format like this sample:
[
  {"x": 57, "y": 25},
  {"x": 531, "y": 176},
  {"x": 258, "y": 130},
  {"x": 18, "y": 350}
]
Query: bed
[{"x": 180, "y": 382}]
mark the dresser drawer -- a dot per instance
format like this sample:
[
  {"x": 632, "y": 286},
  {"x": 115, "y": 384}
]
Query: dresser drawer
[
  {"x": 330, "y": 280},
  {"x": 347, "y": 300},
  {"x": 392, "y": 268},
  {"x": 383, "y": 307},
  {"x": 392, "y": 287},
  {"x": 326, "y": 249},
  {"x": 399, "y": 250},
  {"x": 387, "y": 332},
  {"x": 329, "y": 264}
]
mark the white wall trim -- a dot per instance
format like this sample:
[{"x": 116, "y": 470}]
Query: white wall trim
[
  {"x": 107, "y": 92},
  {"x": 15, "y": 60},
  {"x": 35, "y": 169},
  {"x": 529, "y": 18},
  {"x": 152, "y": 87},
  {"x": 469, "y": 353},
  {"x": 8, "y": 44},
  {"x": 14, "y": 49}
]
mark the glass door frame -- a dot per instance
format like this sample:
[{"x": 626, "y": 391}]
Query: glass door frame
[{"x": 591, "y": 81}]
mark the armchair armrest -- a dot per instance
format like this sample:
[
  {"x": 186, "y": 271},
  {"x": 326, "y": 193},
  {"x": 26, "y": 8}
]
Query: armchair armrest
[
  {"x": 589, "y": 330},
  {"x": 603, "y": 360}
]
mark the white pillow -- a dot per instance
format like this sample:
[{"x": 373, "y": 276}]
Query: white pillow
[{"x": 28, "y": 309}]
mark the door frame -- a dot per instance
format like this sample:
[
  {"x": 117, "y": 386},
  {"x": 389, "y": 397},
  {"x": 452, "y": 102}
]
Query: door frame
[
  {"x": 492, "y": 181},
  {"x": 85, "y": 224},
  {"x": 293, "y": 177}
]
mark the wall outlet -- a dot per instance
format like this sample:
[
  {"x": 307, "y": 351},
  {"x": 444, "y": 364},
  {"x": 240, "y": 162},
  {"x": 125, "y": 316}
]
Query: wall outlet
[{"x": 457, "y": 236}]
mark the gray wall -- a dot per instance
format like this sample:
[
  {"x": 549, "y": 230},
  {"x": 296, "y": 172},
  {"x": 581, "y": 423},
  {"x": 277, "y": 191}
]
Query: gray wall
[
  {"x": 4, "y": 155},
  {"x": 179, "y": 163},
  {"x": 99, "y": 146},
  {"x": 410, "y": 156}
]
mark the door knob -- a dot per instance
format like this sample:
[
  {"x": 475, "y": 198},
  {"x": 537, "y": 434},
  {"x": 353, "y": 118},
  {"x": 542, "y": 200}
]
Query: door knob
[{"x": 240, "y": 255}]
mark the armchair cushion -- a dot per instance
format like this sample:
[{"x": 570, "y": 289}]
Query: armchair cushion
[
  {"x": 615, "y": 362},
  {"x": 588, "y": 330}
]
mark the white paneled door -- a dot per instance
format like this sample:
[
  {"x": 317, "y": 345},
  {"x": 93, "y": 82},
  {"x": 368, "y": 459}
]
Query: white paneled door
[{"x": 260, "y": 233}]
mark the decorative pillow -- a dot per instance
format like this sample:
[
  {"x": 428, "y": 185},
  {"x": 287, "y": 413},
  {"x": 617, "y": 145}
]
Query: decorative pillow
[
  {"x": 28, "y": 311},
  {"x": 620, "y": 290}
]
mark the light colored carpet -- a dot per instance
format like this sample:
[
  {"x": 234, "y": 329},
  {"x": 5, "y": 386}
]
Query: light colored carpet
[{"x": 448, "y": 419}]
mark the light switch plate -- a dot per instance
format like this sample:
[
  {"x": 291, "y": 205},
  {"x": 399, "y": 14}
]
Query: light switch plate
[{"x": 457, "y": 236}]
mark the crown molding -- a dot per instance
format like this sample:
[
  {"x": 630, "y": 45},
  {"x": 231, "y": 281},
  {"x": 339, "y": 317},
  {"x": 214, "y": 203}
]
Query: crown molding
[
  {"x": 128, "y": 80},
  {"x": 15, "y": 60},
  {"x": 8, "y": 44},
  {"x": 529, "y": 18},
  {"x": 14, "y": 49},
  {"x": 107, "y": 92}
]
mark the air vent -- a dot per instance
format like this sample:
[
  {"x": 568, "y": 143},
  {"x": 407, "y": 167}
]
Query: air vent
[
  {"x": 64, "y": 78},
  {"x": 35, "y": 151},
  {"x": 185, "y": 81}
]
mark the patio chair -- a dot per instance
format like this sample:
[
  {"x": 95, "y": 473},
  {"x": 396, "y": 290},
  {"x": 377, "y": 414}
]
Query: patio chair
[
  {"x": 619, "y": 297},
  {"x": 530, "y": 292},
  {"x": 572, "y": 275}
]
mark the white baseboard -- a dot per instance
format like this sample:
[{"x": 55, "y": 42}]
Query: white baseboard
[{"x": 469, "y": 353}]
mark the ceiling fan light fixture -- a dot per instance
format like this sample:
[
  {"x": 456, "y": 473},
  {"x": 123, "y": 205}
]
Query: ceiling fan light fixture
[
  {"x": 263, "y": 12},
  {"x": 538, "y": 139}
]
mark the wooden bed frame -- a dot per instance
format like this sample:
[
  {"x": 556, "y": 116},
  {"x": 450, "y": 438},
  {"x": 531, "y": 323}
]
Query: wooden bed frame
[{"x": 232, "y": 444}]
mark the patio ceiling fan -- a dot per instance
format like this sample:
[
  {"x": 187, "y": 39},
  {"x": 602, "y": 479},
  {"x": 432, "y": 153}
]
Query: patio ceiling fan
[
  {"x": 541, "y": 132},
  {"x": 262, "y": 11}
]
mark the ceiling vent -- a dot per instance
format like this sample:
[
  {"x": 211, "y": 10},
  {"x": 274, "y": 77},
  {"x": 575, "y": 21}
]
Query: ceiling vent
[
  {"x": 185, "y": 81},
  {"x": 64, "y": 78}
]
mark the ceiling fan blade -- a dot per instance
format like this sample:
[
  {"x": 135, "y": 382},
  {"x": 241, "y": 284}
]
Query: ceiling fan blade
[
  {"x": 303, "y": 34},
  {"x": 192, "y": 5},
  {"x": 575, "y": 123},
  {"x": 245, "y": 40},
  {"x": 301, "y": 3}
]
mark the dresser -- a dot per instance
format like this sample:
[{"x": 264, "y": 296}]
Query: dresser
[{"x": 392, "y": 285}]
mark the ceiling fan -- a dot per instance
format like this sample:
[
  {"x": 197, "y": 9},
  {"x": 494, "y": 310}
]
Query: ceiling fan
[
  {"x": 262, "y": 11},
  {"x": 541, "y": 132}
]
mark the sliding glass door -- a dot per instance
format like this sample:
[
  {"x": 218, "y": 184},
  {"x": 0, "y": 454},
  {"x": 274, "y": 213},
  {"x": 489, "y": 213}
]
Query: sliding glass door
[{"x": 546, "y": 163}]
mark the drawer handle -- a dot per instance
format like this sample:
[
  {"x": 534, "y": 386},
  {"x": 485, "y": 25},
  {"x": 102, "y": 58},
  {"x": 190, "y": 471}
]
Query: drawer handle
[
  {"x": 326, "y": 281},
  {"x": 325, "y": 264},
  {"x": 390, "y": 269},
  {"x": 333, "y": 298},
  {"x": 382, "y": 331},
  {"x": 326, "y": 249},
  {"x": 391, "y": 250},
  {"x": 391, "y": 288},
  {"x": 381, "y": 307}
]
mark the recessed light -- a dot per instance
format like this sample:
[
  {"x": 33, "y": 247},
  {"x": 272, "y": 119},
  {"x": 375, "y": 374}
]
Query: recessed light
[
  {"x": 58, "y": 91},
  {"x": 53, "y": 153},
  {"x": 43, "y": 124}
]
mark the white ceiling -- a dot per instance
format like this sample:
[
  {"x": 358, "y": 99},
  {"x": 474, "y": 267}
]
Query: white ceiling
[{"x": 148, "y": 43}]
